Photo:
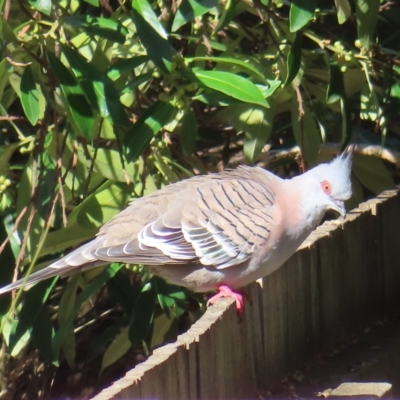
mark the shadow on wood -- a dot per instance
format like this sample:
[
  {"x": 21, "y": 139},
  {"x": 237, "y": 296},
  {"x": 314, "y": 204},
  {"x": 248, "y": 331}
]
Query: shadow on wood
[{"x": 345, "y": 274}]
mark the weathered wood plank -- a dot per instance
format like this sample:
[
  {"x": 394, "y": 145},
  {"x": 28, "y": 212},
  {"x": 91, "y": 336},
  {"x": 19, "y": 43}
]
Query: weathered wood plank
[
  {"x": 345, "y": 274},
  {"x": 362, "y": 390}
]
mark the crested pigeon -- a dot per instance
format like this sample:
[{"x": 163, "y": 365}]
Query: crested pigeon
[{"x": 218, "y": 231}]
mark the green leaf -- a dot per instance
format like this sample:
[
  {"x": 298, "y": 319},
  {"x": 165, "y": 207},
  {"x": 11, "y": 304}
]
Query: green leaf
[
  {"x": 23, "y": 200},
  {"x": 142, "y": 315},
  {"x": 76, "y": 105},
  {"x": 227, "y": 15},
  {"x": 21, "y": 344},
  {"x": 164, "y": 168},
  {"x": 43, "y": 6},
  {"x": 215, "y": 98},
  {"x": 71, "y": 236},
  {"x": 256, "y": 137},
  {"x": 42, "y": 335},
  {"x": 144, "y": 9},
  {"x": 306, "y": 133},
  {"x": 152, "y": 35},
  {"x": 301, "y": 11},
  {"x": 357, "y": 196},
  {"x": 335, "y": 90},
  {"x": 119, "y": 346},
  {"x": 170, "y": 297},
  {"x": 354, "y": 79},
  {"x": 151, "y": 122},
  {"x": 76, "y": 180},
  {"x": 372, "y": 173},
  {"x": 94, "y": 3},
  {"x": 343, "y": 10},
  {"x": 86, "y": 294},
  {"x": 294, "y": 59},
  {"x": 25, "y": 190},
  {"x": 98, "y": 88},
  {"x": 391, "y": 107},
  {"x": 125, "y": 64},
  {"x": 367, "y": 12},
  {"x": 31, "y": 308},
  {"x": 83, "y": 222},
  {"x": 347, "y": 128},
  {"x": 189, "y": 10},
  {"x": 269, "y": 89},
  {"x": 179, "y": 297},
  {"x": 162, "y": 325},
  {"x": 7, "y": 33},
  {"x": 103, "y": 27},
  {"x": 108, "y": 163},
  {"x": 99, "y": 344},
  {"x": 163, "y": 295},
  {"x": 5, "y": 72},
  {"x": 369, "y": 104},
  {"x": 232, "y": 85},
  {"x": 124, "y": 291},
  {"x": 7, "y": 261},
  {"x": 242, "y": 65},
  {"x": 65, "y": 314},
  {"x": 188, "y": 134},
  {"x": 138, "y": 80},
  {"x": 29, "y": 96},
  {"x": 100, "y": 206},
  {"x": 254, "y": 121}
]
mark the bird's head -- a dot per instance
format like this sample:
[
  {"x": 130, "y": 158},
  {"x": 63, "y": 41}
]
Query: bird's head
[{"x": 332, "y": 183}]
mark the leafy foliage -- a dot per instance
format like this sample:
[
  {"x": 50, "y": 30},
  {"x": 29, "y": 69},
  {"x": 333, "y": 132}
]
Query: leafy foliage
[{"x": 106, "y": 101}]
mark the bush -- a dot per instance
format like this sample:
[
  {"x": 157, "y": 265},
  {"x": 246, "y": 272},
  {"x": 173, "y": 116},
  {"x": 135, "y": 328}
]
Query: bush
[{"x": 106, "y": 101}]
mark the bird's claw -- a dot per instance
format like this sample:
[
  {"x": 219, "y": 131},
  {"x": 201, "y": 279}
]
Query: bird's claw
[{"x": 226, "y": 291}]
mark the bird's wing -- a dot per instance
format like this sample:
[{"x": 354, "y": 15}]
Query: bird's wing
[{"x": 215, "y": 220}]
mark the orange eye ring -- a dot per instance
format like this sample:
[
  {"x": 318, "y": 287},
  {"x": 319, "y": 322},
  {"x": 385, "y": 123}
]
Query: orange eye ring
[{"x": 326, "y": 187}]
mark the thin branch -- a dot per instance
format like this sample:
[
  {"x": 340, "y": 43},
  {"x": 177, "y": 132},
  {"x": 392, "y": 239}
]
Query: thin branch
[
  {"x": 17, "y": 64},
  {"x": 270, "y": 156},
  {"x": 34, "y": 56},
  {"x": 387, "y": 6},
  {"x": 15, "y": 227},
  {"x": 104, "y": 4},
  {"x": 91, "y": 168},
  {"x": 62, "y": 195},
  {"x": 12, "y": 118},
  {"x": 303, "y": 165},
  {"x": 120, "y": 152},
  {"x": 299, "y": 101},
  {"x": 206, "y": 43},
  {"x": 7, "y": 9},
  {"x": 50, "y": 213},
  {"x": 50, "y": 210},
  {"x": 24, "y": 242},
  {"x": 30, "y": 220},
  {"x": 60, "y": 151}
]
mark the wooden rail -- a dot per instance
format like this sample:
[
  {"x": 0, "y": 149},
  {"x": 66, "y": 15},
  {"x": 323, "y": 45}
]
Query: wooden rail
[{"x": 345, "y": 274}]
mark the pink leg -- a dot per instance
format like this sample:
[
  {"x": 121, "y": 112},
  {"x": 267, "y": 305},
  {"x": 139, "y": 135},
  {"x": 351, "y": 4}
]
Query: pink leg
[{"x": 225, "y": 291}]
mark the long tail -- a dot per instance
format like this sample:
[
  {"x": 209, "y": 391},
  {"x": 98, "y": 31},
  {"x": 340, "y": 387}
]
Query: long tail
[{"x": 80, "y": 259}]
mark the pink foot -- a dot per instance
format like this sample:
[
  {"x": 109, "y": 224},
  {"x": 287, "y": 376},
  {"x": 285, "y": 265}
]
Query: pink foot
[{"x": 225, "y": 291}]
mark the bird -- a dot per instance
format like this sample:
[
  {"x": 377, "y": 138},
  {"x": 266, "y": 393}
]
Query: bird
[{"x": 216, "y": 232}]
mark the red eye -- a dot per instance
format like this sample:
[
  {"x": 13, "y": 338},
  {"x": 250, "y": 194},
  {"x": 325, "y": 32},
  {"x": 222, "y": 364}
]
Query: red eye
[{"x": 326, "y": 187}]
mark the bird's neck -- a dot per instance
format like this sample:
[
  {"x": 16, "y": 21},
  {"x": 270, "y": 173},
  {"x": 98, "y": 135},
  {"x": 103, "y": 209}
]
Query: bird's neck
[{"x": 303, "y": 211}]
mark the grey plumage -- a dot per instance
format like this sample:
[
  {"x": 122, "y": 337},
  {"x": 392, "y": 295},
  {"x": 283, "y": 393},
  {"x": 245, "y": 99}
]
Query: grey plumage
[{"x": 229, "y": 228}]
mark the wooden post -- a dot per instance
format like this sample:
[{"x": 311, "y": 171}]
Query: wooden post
[{"x": 345, "y": 274}]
